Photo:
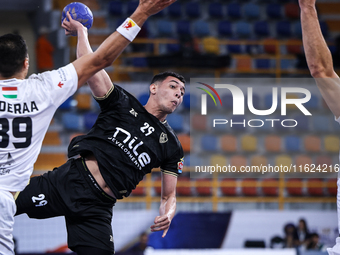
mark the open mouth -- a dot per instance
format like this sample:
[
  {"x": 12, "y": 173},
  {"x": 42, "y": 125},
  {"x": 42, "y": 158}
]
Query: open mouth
[{"x": 175, "y": 103}]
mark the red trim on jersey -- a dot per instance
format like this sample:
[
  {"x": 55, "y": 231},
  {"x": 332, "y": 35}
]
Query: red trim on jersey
[{"x": 9, "y": 88}]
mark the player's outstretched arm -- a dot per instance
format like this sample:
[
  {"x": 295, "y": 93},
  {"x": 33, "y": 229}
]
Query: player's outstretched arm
[
  {"x": 99, "y": 83},
  {"x": 112, "y": 47},
  {"x": 167, "y": 208},
  {"x": 318, "y": 56}
]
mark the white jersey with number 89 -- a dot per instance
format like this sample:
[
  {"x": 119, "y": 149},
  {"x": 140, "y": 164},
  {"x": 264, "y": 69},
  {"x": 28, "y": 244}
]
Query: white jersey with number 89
[{"x": 26, "y": 109}]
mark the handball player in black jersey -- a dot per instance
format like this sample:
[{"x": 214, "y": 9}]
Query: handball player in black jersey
[{"x": 127, "y": 141}]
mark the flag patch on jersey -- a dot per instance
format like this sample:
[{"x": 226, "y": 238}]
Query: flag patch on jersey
[
  {"x": 180, "y": 165},
  {"x": 10, "y": 92}
]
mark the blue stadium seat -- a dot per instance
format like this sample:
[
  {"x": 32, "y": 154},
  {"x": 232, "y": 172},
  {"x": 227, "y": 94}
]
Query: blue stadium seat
[
  {"x": 253, "y": 48},
  {"x": 262, "y": 63},
  {"x": 183, "y": 27},
  {"x": 236, "y": 123},
  {"x": 187, "y": 160},
  {"x": 139, "y": 62},
  {"x": 224, "y": 28},
  {"x": 234, "y": 48},
  {"x": 215, "y": 10},
  {"x": 175, "y": 120},
  {"x": 72, "y": 121},
  {"x": 131, "y": 7},
  {"x": 292, "y": 143},
  {"x": 219, "y": 125},
  {"x": 164, "y": 28},
  {"x": 303, "y": 123},
  {"x": 192, "y": 9},
  {"x": 324, "y": 28},
  {"x": 283, "y": 28},
  {"x": 190, "y": 100},
  {"x": 67, "y": 104},
  {"x": 335, "y": 125},
  {"x": 297, "y": 30},
  {"x": 234, "y": 11},
  {"x": 321, "y": 123},
  {"x": 143, "y": 98},
  {"x": 89, "y": 119},
  {"x": 209, "y": 143},
  {"x": 173, "y": 47},
  {"x": 268, "y": 101},
  {"x": 313, "y": 103},
  {"x": 261, "y": 28},
  {"x": 201, "y": 28},
  {"x": 94, "y": 105},
  {"x": 251, "y": 11},
  {"x": 116, "y": 8},
  {"x": 195, "y": 160},
  {"x": 243, "y": 29},
  {"x": 286, "y": 64},
  {"x": 274, "y": 11},
  {"x": 256, "y": 101},
  {"x": 278, "y": 124},
  {"x": 267, "y": 126},
  {"x": 175, "y": 10},
  {"x": 227, "y": 101}
]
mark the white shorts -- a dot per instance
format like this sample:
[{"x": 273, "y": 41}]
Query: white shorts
[{"x": 7, "y": 211}]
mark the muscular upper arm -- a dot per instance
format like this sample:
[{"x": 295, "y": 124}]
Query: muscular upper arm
[
  {"x": 100, "y": 83},
  {"x": 169, "y": 183}
]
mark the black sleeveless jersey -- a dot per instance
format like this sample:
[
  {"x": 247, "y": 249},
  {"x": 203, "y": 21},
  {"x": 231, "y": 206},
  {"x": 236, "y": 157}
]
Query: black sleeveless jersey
[{"x": 128, "y": 142}]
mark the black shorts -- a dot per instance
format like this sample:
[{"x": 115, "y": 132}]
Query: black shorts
[{"x": 71, "y": 191}]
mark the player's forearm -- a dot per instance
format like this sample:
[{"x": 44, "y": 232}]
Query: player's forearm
[
  {"x": 83, "y": 45},
  {"x": 168, "y": 206},
  {"x": 318, "y": 56}
]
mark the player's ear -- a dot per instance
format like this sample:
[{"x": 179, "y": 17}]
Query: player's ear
[
  {"x": 26, "y": 63},
  {"x": 153, "y": 88}
]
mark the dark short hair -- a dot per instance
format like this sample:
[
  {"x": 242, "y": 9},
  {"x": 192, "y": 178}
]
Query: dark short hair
[
  {"x": 13, "y": 51},
  {"x": 162, "y": 76}
]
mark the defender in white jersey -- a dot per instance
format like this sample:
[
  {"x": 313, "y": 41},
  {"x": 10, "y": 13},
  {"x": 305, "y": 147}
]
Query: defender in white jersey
[
  {"x": 27, "y": 105},
  {"x": 320, "y": 64}
]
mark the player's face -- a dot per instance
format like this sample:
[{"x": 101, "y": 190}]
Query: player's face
[{"x": 170, "y": 94}]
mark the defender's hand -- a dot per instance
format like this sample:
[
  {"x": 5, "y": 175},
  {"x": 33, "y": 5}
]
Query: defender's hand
[{"x": 72, "y": 26}]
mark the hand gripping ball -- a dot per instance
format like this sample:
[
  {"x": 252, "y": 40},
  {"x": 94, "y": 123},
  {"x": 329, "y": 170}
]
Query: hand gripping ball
[{"x": 79, "y": 12}]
